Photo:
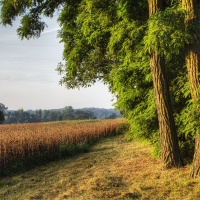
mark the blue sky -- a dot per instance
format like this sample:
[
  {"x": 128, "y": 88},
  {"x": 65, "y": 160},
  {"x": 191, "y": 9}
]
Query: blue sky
[{"x": 28, "y": 78}]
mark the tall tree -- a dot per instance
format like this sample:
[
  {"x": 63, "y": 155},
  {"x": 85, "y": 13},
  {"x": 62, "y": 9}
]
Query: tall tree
[
  {"x": 87, "y": 30},
  {"x": 193, "y": 68},
  {"x": 169, "y": 143}
]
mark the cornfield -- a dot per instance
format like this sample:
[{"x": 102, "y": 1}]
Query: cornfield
[{"x": 19, "y": 142}]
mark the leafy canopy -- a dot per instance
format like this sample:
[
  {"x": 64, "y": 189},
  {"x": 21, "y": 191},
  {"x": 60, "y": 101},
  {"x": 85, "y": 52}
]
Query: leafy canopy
[
  {"x": 167, "y": 32},
  {"x": 110, "y": 40}
]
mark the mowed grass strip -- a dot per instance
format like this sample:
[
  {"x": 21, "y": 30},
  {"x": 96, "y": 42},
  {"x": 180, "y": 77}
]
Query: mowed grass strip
[{"x": 113, "y": 169}]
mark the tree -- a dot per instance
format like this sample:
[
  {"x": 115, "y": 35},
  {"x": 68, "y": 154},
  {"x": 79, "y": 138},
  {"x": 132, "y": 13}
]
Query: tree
[
  {"x": 2, "y": 112},
  {"x": 11, "y": 118},
  {"x": 68, "y": 113},
  {"x": 22, "y": 116},
  {"x": 3, "y": 108},
  {"x": 33, "y": 118},
  {"x": 193, "y": 68},
  {"x": 46, "y": 117},
  {"x": 19, "y": 115},
  {"x": 2, "y": 118},
  {"x": 51, "y": 115},
  {"x": 84, "y": 114},
  {"x": 54, "y": 115},
  {"x": 89, "y": 30},
  {"x": 169, "y": 143},
  {"x": 112, "y": 116},
  {"x": 38, "y": 114}
]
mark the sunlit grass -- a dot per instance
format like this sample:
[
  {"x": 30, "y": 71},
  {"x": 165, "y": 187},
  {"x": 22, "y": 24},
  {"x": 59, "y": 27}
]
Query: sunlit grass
[{"x": 113, "y": 169}]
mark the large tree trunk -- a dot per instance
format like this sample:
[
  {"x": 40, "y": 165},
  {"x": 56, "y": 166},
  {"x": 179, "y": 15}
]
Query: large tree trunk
[
  {"x": 192, "y": 62},
  {"x": 170, "y": 153},
  {"x": 195, "y": 170}
]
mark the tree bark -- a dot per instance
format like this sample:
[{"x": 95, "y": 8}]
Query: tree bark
[
  {"x": 170, "y": 153},
  {"x": 193, "y": 66},
  {"x": 195, "y": 169}
]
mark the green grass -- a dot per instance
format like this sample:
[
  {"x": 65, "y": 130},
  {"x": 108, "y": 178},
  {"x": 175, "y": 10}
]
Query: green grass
[{"x": 114, "y": 168}]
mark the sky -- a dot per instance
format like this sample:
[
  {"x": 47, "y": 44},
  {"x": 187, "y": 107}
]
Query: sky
[{"x": 28, "y": 78}]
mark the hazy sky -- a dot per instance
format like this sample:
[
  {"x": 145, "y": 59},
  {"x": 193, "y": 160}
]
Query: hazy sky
[{"x": 28, "y": 78}]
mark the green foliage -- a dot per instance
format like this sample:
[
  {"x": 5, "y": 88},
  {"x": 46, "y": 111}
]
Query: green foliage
[
  {"x": 2, "y": 118},
  {"x": 137, "y": 10},
  {"x": 187, "y": 126},
  {"x": 189, "y": 120},
  {"x": 132, "y": 84},
  {"x": 122, "y": 129},
  {"x": 11, "y": 9},
  {"x": 30, "y": 12},
  {"x": 111, "y": 41},
  {"x": 68, "y": 113},
  {"x": 80, "y": 114},
  {"x": 34, "y": 31},
  {"x": 182, "y": 106},
  {"x": 125, "y": 35},
  {"x": 85, "y": 33},
  {"x": 167, "y": 32},
  {"x": 3, "y": 108},
  {"x": 130, "y": 78}
]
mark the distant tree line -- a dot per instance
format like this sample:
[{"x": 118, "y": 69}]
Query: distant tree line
[
  {"x": 67, "y": 113},
  {"x": 2, "y": 113}
]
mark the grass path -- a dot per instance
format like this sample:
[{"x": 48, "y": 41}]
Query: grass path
[{"x": 113, "y": 169}]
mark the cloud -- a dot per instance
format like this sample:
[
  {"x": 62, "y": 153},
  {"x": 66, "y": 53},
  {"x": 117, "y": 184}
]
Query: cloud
[{"x": 51, "y": 30}]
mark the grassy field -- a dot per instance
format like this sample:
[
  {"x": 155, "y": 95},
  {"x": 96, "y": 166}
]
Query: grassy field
[
  {"x": 114, "y": 169},
  {"x": 22, "y": 144}
]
